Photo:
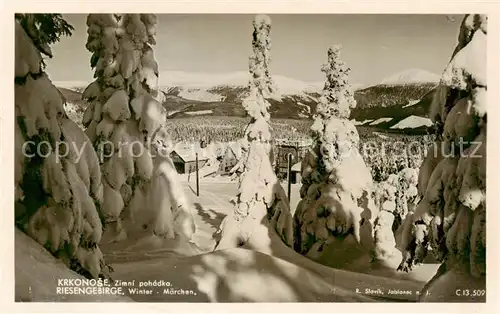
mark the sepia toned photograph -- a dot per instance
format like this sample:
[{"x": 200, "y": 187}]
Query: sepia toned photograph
[{"x": 250, "y": 157}]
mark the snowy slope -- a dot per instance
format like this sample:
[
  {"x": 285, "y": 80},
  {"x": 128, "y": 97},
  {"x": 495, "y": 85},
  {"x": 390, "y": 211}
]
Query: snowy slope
[
  {"x": 360, "y": 122},
  {"x": 207, "y": 81},
  {"x": 411, "y": 76},
  {"x": 189, "y": 93},
  {"x": 242, "y": 274},
  {"x": 199, "y": 112},
  {"x": 215, "y": 87},
  {"x": 37, "y": 271},
  {"x": 412, "y": 122},
  {"x": 380, "y": 120},
  {"x": 73, "y": 85},
  {"x": 412, "y": 103}
]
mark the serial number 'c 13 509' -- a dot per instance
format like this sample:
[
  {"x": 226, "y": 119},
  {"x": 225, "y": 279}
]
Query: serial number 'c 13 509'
[{"x": 470, "y": 293}]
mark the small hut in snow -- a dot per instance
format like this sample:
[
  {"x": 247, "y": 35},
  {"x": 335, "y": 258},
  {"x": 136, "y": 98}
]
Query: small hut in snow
[
  {"x": 295, "y": 173},
  {"x": 185, "y": 160}
]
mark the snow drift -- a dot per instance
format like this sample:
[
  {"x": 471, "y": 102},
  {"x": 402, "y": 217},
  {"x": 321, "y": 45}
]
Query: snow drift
[{"x": 37, "y": 272}]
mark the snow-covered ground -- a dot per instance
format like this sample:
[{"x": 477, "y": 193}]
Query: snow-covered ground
[
  {"x": 412, "y": 122},
  {"x": 361, "y": 122},
  {"x": 199, "y": 112},
  {"x": 306, "y": 107},
  {"x": 37, "y": 272},
  {"x": 412, "y": 103},
  {"x": 381, "y": 135},
  {"x": 380, "y": 120},
  {"x": 239, "y": 274}
]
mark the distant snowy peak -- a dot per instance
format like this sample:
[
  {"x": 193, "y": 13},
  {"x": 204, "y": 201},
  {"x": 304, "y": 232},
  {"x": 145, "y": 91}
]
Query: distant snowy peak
[
  {"x": 205, "y": 81},
  {"x": 73, "y": 85},
  {"x": 411, "y": 76},
  {"x": 201, "y": 80}
]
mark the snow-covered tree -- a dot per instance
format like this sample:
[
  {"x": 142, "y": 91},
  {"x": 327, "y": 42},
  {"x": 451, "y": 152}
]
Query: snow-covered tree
[
  {"x": 450, "y": 219},
  {"x": 396, "y": 199},
  {"x": 44, "y": 30},
  {"x": 58, "y": 186},
  {"x": 261, "y": 205},
  {"x": 398, "y": 194},
  {"x": 124, "y": 121},
  {"x": 337, "y": 187},
  {"x": 337, "y": 98}
]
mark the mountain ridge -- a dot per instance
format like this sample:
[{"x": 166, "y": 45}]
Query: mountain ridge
[
  {"x": 222, "y": 94},
  {"x": 410, "y": 76}
]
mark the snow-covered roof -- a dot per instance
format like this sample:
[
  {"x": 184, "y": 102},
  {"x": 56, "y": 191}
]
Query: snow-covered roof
[
  {"x": 189, "y": 155},
  {"x": 296, "y": 167}
]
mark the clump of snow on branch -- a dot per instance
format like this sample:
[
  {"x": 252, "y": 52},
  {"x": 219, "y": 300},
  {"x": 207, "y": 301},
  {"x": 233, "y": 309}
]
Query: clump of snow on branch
[
  {"x": 261, "y": 203},
  {"x": 57, "y": 174},
  {"x": 124, "y": 120},
  {"x": 337, "y": 188},
  {"x": 450, "y": 218}
]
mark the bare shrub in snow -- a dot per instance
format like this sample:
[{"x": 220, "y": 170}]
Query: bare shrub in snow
[
  {"x": 58, "y": 187},
  {"x": 261, "y": 206},
  {"x": 124, "y": 121},
  {"x": 450, "y": 219}
]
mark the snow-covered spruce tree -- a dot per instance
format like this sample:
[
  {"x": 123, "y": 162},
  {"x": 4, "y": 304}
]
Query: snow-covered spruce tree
[
  {"x": 261, "y": 205},
  {"x": 57, "y": 175},
  {"x": 398, "y": 195},
  {"x": 451, "y": 217},
  {"x": 124, "y": 120},
  {"x": 337, "y": 187}
]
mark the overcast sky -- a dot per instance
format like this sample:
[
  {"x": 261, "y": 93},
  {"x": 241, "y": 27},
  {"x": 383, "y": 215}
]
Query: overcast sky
[{"x": 374, "y": 46}]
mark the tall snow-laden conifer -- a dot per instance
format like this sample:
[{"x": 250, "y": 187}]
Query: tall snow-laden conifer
[
  {"x": 450, "y": 219},
  {"x": 337, "y": 99},
  {"x": 124, "y": 121},
  {"x": 337, "y": 187},
  {"x": 261, "y": 203},
  {"x": 57, "y": 174}
]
